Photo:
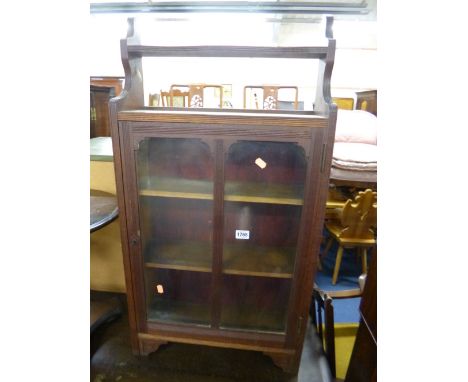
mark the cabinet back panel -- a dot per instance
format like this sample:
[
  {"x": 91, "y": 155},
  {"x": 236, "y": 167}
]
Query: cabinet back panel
[
  {"x": 268, "y": 224},
  {"x": 178, "y": 296},
  {"x": 169, "y": 219},
  {"x": 254, "y": 303}
]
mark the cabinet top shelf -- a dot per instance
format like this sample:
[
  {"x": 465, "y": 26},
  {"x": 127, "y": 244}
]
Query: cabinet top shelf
[
  {"x": 229, "y": 51},
  {"x": 137, "y": 46},
  {"x": 296, "y": 119}
]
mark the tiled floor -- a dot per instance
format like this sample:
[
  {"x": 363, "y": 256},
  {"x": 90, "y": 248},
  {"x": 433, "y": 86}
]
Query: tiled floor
[{"x": 112, "y": 360}]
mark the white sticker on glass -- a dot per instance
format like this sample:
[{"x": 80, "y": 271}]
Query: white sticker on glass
[
  {"x": 260, "y": 163},
  {"x": 242, "y": 235}
]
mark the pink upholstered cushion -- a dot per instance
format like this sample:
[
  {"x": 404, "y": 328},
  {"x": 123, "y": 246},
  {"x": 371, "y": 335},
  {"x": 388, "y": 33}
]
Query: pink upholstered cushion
[
  {"x": 355, "y": 152},
  {"x": 355, "y": 156},
  {"x": 356, "y": 126}
]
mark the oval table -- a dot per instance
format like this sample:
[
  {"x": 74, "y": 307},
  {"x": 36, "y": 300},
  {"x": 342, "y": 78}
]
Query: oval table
[{"x": 103, "y": 210}]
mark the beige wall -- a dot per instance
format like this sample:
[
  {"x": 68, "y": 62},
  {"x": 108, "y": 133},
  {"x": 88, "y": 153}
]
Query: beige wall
[{"x": 106, "y": 263}]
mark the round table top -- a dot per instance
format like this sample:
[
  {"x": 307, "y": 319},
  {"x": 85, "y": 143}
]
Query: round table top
[
  {"x": 103, "y": 209},
  {"x": 362, "y": 179}
]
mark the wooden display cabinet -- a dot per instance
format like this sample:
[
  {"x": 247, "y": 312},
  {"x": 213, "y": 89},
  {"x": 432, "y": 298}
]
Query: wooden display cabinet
[{"x": 221, "y": 211}]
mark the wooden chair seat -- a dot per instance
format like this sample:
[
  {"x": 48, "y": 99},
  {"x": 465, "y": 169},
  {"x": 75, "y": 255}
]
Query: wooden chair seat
[
  {"x": 336, "y": 230},
  {"x": 332, "y": 214}
]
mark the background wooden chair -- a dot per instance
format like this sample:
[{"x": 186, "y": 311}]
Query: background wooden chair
[
  {"x": 367, "y": 100},
  {"x": 154, "y": 99},
  {"x": 354, "y": 229},
  {"x": 174, "y": 98},
  {"x": 194, "y": 94},
  {"x": 270, "y": 99}
]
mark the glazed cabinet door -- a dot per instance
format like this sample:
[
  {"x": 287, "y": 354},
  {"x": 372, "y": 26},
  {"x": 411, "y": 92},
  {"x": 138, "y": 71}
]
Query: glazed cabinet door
[
  {"x": 175, "y": 178},
  {"x": 218, "y": 223},
  {"x": 263, "y": 200}
]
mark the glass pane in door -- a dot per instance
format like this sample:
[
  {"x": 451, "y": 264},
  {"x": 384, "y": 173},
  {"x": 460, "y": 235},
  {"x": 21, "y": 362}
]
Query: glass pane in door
[
  {"x": 175, "y": 180},
  {"x": 178, "y": 296},
  {"x": 263, "y": 199}
]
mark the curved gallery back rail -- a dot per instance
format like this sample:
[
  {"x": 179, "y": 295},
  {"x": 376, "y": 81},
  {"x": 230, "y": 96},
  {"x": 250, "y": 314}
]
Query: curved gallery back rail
[{"x": 221, "y": 220}]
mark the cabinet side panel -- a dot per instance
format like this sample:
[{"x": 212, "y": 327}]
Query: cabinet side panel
[
  {"x": 114, "y": 105},
  {"x": 311, "y": 226},
  {"x": 130, "y": 190}
]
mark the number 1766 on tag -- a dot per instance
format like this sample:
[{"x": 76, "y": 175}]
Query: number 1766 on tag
[{"x": 242, "y": 235}]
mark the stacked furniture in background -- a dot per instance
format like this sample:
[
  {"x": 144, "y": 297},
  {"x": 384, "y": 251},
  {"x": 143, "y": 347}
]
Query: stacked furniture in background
[
  {"x": 267, "y": 97},
  {"x": 102, "y": 89},
  {"x": 99, "y": 110},
  {"x": 355, "y": 152}
]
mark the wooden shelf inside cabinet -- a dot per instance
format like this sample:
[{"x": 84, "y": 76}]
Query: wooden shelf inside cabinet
[
  {"x": 248, "y": 192},
  {"x": 250, "y": 260},
  {"x": 177, "y": 188},
  {"x": 263, "y": 193}
]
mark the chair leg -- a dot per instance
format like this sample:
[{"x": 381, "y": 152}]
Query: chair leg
[
  {"x": 319, "y": 263},
  {"x": 330, "y": 335},
  {"x": 339, "y": 256},
  {"x": 328, "y": 246},
  {"x": 363, "y": 259},
  {"x": 322, "y": 241}
]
